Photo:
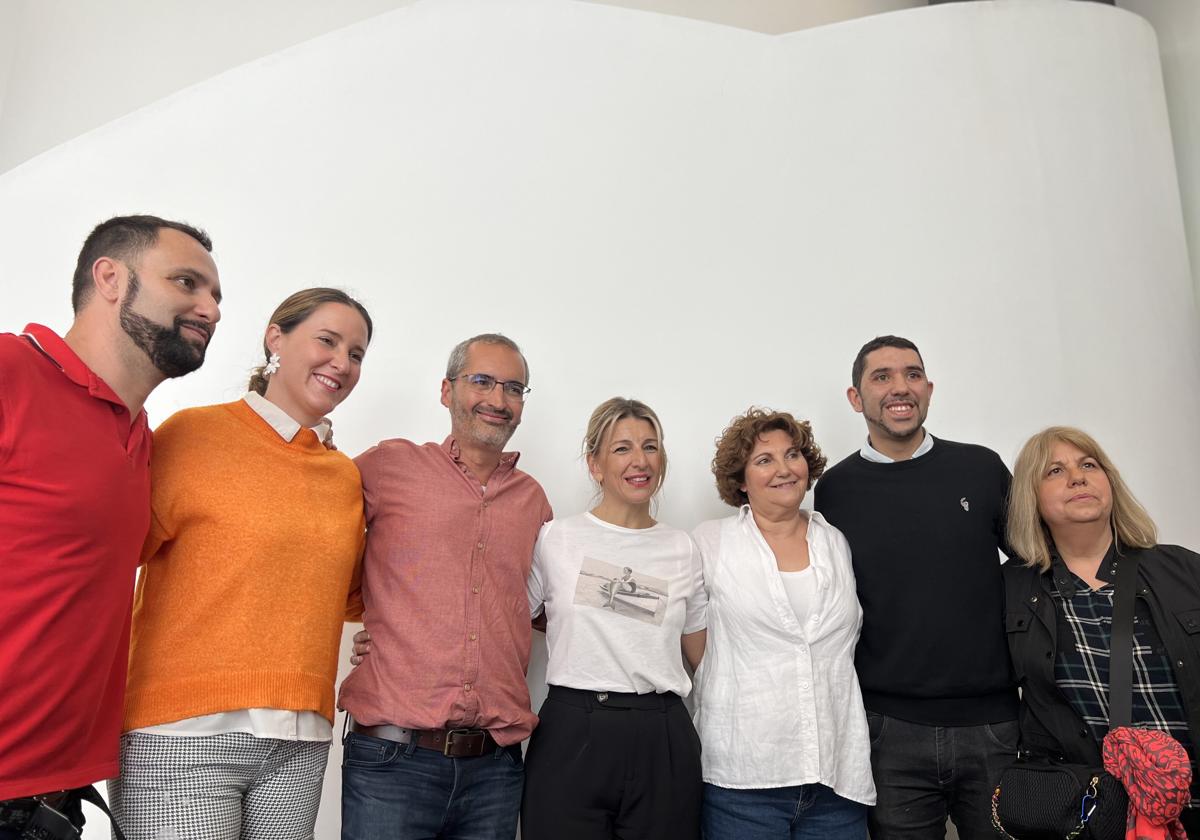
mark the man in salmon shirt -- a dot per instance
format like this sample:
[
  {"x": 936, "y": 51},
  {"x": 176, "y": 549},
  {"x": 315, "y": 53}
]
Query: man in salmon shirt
[
  {"x": 75, "y": 506},
  {"x": 440, "y": 706}
]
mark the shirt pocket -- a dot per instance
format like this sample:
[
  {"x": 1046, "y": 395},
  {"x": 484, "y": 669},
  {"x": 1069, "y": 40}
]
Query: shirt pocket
[
  {"x": 1017, "y": 624},
  {"x": 1189, "y": 620}
]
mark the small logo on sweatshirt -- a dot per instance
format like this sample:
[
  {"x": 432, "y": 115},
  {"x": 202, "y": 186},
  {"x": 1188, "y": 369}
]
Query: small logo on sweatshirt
[{"x": 965, "y": 504}]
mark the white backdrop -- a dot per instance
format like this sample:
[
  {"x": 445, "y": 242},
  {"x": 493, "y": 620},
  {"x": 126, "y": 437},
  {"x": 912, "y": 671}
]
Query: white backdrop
[{"x": 697, "y": 216}]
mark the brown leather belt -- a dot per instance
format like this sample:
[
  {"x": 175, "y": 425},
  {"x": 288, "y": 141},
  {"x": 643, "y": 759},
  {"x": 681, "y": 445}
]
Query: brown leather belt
[{"x": 455, "y": 743}]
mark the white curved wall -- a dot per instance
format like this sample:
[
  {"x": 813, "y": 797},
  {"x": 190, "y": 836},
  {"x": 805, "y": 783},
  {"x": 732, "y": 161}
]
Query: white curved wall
[
  {"x": 67, "y": 67},
  {"x": 698, "y": 216}
]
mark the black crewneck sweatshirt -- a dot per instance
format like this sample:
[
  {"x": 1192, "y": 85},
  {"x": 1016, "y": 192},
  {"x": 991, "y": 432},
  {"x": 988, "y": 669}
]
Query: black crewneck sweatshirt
[{"x": 923, "y": 535}]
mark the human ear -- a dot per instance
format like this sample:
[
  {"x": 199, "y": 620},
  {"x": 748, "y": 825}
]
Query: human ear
[
  {"x": 273, "y": 338},
  {"x": 855, "y": 399},
  {"x": 106, "y": 278}
]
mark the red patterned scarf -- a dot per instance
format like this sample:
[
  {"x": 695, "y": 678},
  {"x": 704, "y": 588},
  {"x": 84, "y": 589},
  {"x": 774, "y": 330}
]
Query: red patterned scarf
[{"x": 1157, "y": 775}]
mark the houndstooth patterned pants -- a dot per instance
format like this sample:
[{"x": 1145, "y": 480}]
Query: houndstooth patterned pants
[{"x": 217, "y": 787}]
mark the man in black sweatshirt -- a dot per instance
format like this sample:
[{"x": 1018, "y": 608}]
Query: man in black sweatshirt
[{"x": 924, "y": 518}]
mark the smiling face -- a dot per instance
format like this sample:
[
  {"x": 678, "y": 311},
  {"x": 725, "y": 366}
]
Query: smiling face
[
  {"x": 490, "y": 419},
  {"x": 893, "y": 396},
  {"x": 628, "y": 465},
  {"x": 320, "y": 362},
  {"x": 172, "y": 302},
  {"x": 776, "y": 474},
  {"x": 1074, "y": 489}
]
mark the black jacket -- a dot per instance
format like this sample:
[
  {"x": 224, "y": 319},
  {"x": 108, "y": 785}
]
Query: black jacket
[{"x": 1168, "y": 591}]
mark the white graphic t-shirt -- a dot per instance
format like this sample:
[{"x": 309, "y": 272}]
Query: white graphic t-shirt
[{"x": 617, "y": 600}]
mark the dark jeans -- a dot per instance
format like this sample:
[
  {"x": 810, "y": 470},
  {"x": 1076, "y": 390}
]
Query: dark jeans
[
  {"x": 800, "y": 812},
  {"x": 396, "y": 791},
  {"x": 924, "y": 774}
]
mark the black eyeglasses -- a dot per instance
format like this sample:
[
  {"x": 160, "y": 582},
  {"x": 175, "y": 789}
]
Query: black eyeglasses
[{"x": 483, "y": 383}]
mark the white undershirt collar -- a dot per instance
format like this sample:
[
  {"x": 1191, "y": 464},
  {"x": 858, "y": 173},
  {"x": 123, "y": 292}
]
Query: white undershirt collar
[
  {"x": 280, "y": 420},
  {"x": 872, "y": 454}
]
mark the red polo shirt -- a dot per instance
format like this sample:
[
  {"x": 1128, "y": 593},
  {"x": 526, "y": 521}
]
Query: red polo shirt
[{"x": 74, "y": 509}]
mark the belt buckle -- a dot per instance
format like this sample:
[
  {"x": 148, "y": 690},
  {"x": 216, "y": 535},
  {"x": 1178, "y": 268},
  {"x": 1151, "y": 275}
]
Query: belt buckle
[{"x": 465, "y": 733}]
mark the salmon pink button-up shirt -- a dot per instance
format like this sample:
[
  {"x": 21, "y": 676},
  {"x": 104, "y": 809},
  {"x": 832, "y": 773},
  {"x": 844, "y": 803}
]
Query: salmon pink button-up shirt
[{"x": 444, "y": 592}]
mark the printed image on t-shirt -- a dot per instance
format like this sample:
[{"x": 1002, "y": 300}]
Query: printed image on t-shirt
[{"x": 623, "y": 590}]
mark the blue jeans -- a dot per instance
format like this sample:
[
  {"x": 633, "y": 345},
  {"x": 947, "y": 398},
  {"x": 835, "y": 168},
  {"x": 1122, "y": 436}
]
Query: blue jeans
[
  {"x": 924, "y": 774},
  {"x": 801, "y": 812},
  {"x": 396, "y": 791}
]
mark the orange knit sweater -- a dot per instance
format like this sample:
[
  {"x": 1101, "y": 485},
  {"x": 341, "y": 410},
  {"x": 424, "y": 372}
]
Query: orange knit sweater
[{"x": 253, "y": 553}]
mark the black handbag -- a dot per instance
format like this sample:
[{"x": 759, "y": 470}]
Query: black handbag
[
  {"x": 1039, "y": 799},
  {"x": 1044, "y": 800}
]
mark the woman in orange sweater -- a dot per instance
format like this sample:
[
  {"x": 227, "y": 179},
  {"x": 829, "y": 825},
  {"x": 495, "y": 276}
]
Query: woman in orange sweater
[{"x": 252, "y": 557}]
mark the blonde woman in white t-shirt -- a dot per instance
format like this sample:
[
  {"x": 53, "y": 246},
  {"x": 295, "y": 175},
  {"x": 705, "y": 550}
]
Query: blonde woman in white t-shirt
[
  {"x": 615, "y": 753},
  {"x": 778, "y": 706}
]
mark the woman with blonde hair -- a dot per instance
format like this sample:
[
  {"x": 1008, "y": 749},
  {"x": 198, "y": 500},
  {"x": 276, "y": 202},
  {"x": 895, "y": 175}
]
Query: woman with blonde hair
[
  {"x": 1073, "y": 521},
  {"x": 252, "y": 557},
  {"x": 778, "y": 705},
  {"x": 615, "y": 753}
]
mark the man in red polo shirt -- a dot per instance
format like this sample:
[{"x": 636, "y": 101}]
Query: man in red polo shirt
[{"x": 74, "y": 503}]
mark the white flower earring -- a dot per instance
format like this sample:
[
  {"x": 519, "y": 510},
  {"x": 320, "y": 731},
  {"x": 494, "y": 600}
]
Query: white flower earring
[{"x": 272, "y": 365}]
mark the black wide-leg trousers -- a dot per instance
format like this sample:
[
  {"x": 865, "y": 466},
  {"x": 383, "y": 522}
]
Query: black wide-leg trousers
[{"x": 612, "y": 766}]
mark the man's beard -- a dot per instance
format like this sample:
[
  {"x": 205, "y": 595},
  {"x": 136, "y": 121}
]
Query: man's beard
[
  {"x": 493, "y": 436},
  {"x": 166, "y": 347}
]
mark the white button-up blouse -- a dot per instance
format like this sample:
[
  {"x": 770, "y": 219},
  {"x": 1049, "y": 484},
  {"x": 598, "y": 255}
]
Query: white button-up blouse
[{"x": 777, "y": 701}]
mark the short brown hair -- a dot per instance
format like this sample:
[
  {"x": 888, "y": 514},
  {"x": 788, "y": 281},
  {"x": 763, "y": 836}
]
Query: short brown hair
[
  {"x": 1027, "y": 533},
  {"x": 739, "y": 439},
  {"x": 878, "y": 343},
  {"x": 122, "y": 238}
]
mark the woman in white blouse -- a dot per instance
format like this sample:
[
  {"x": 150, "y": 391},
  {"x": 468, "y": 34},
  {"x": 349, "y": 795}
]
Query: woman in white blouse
[
  {"x": 779, "y": 711},
  {"x": 615, "y": 753}
]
